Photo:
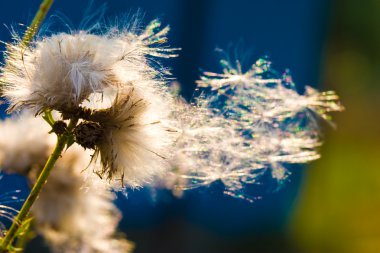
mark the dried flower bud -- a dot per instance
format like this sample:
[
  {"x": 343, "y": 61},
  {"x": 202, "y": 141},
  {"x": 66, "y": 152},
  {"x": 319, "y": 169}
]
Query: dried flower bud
[
  {"x": 59, "y": 127},
  {"x": 88, "y": 134}
]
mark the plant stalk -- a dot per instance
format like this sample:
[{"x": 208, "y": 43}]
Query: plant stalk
[
  {"x": 36, "y": 22},
  {"x": 9, "y": 237}
]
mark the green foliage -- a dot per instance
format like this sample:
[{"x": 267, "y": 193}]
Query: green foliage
[{"x": 339, "y": 206}]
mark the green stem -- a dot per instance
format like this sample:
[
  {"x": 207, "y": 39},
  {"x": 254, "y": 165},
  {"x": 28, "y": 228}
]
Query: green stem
[
  {"x": 24, "y": 236},
  {"x": 9, "y": 237},
  {"x": 48, "y": 117},
  {"x": 37, "y": 20}
]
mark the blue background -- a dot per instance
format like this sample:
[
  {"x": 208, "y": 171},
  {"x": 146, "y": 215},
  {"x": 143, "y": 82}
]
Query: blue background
[{"x": 291, "y": 33}]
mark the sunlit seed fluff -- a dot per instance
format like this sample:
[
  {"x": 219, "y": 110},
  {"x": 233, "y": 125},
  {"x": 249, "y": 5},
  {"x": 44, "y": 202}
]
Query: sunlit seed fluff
[
  {"x": 75, "y": 212},
  {"x": 247, "y": 124},
  {"x": 137, "y": 137},
  {"x": 208, "y": 150},
  {"x": 281, "y": 146},
  {"x": 61, "y": 71},
  {"x": 262, "y": 95}
]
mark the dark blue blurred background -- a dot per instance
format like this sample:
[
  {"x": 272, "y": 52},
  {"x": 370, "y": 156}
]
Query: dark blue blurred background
[{"x": 291, "y": 33}]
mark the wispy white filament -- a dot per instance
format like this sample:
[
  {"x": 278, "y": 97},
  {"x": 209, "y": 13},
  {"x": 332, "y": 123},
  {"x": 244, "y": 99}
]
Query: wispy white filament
[
  {"x": 249, "y": 123},
  {"x": 7, "y": 212}
]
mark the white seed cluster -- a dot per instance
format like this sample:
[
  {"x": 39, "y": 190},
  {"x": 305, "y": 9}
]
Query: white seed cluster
[{"x": 253, "y": 122}]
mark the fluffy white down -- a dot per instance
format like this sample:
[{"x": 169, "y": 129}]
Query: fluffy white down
[
  {"x": 57, "y": 72},
  {"x": 138, "y": 138},
  {"x": 61, "y": 71}
]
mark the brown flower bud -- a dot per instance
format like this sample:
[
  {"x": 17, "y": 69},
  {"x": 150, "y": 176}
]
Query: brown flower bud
[
  {"x": 59, "y": 127},
  {"x": 88, "y": 134}
]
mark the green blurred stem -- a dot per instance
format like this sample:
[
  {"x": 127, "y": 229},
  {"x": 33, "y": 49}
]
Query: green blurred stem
[
  {"x": 37, "y": 21},
  {"x": 36, "y": 190},
  {"x": 48, "y": 117},
  {"x": 24, "y": 236},
  {"x": 8, "y": 239}
]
